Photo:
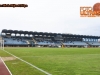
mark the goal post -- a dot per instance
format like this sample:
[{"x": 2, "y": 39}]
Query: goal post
[{"x": 1, "y": 44}]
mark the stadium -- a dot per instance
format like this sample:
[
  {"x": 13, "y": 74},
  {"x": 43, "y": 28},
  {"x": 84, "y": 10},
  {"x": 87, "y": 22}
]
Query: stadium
[
  {"x": 49, "y": 37},
  {"x": 43, "y": 53},
  {"x": 21, "y": 38}
]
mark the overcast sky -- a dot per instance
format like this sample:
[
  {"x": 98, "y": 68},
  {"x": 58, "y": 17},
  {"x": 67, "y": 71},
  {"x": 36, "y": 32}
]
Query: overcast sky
[{"x": 57, "y": 16}]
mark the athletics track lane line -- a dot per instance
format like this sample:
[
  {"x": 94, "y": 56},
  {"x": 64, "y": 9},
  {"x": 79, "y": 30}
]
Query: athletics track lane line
[
  {"x": 28, "y": 63},
  {"x": 3, "y": 68}
]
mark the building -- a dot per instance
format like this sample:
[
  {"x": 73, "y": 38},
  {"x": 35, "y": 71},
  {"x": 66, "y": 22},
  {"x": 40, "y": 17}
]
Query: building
[{"x": 44, "y": 39}]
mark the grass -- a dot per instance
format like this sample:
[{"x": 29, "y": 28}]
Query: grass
[{"x": 57, "y": 61}]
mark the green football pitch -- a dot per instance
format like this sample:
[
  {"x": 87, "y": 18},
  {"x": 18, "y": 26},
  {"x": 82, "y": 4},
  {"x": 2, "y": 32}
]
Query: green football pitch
[{"x": 56, "y": 61}]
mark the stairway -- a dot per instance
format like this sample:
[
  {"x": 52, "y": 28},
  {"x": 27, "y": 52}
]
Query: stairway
[
  {"x": 62, "y": 44},
  {"x": 34, "y": 40},
  {"x": 88, "y": 43},
  {"x": 27, "y": 42}
]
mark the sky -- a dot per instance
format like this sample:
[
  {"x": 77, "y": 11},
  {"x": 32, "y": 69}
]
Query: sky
[{"x": 56, "y": 16}]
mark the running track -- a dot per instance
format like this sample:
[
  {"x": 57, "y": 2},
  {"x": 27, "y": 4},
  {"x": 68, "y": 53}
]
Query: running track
[{"x": 3, "y": 68}]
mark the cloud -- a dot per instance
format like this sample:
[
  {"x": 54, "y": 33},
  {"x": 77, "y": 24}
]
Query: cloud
[{"x": 60, "y": 16}]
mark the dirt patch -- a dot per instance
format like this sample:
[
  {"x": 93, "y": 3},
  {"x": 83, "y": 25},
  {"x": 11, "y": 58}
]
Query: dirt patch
[{"x": 8, "y": 58}]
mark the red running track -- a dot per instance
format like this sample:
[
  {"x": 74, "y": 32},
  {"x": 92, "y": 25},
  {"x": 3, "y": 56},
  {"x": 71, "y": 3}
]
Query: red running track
[{"x": 3, "y": 68}]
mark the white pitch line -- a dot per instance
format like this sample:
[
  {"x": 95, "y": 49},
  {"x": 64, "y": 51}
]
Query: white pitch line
[
  {"x": 28, "y": 63},
  {"x": 6, "y": 66}
]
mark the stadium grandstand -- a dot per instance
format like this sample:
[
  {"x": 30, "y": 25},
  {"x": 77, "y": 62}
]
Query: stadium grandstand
[{"x": 21, "y": 38}]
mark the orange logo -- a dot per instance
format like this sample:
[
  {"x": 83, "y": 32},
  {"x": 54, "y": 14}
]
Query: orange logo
[{"x": 90, "y": 11}]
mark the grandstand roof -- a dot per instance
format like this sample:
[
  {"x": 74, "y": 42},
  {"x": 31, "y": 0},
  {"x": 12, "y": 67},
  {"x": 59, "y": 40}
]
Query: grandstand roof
[{"x": 46, "y": 33}]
